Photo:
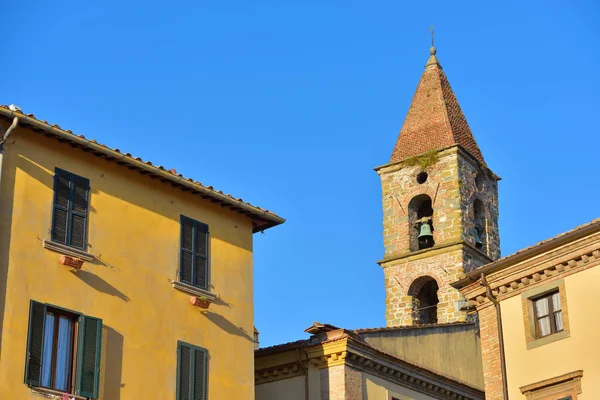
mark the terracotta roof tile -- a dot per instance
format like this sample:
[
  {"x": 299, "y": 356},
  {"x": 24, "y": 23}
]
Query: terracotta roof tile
[
  {"x": 434, "y": 119},
  {"x": 270, "y": 218}
]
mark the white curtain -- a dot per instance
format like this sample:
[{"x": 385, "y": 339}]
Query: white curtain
[
  {"x": 63, "y": 354},
  {"x": 47, "y": 354},
  {"x": 542, "y": 310}
]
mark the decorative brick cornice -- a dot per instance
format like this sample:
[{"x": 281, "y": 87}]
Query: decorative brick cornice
[
  {"x": 277, "y": 373},
  {"x": 516, "y": 279}
]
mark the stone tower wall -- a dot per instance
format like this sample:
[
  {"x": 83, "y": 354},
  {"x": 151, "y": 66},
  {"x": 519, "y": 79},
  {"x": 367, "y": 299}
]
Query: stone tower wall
[
  {"x": 399, "y": 187},
  {"x": 478, "y": 183},
  {"x": 453, "y": 185}
]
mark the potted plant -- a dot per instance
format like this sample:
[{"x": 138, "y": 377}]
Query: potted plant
[{"x": 202, "y": 301}]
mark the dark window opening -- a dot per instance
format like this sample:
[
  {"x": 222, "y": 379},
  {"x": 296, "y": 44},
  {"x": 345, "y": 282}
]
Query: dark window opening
[
  {"x": 193, "y": 266},
  {"x": 425, "y": 300},
  {"x": 422, "y": 177},
  {"x": 548, "y": 314},
  {"x": 420, "y": 212},
  {"x": 479, "y": 230},
  {"x": 70, "y": 209}
]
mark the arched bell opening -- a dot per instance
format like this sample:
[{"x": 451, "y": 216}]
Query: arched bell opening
[
  {"x": 479, "y": 230},
  {"x": 425, "y": 300},
  {"x": 420, "y": 213}
]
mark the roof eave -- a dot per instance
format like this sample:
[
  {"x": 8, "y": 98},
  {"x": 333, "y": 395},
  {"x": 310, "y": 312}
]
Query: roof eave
[
  {"x": 532, "y": 251},
  {"x": 268, "y": 220}
]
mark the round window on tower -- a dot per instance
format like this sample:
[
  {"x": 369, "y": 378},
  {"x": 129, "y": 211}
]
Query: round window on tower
[{"x": 422, "y": 177}]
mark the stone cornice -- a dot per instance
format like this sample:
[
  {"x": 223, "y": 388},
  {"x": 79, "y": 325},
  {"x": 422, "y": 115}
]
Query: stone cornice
[
  {"x": 435, "y": 250},
  {"x": 398, "y": 165},
  {"x": 515, "y": 279}
]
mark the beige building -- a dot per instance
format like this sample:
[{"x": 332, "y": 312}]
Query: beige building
[
  {"x": 336, "y": 363},
  {"x": 539, "y": 325}
]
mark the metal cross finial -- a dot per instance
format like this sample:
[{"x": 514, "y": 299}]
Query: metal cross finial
[{"x": 432, "y": 29}]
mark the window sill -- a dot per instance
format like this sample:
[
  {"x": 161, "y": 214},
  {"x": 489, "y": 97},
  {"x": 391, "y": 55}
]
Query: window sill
[
  {"x": 40, "y": 391},
  {"x": 547, "y": 339},
  {"x": 184, "y": 287},
  {"x": 67, "y": 250}
]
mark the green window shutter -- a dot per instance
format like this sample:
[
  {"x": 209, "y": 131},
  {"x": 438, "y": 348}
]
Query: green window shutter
[
  {"x": 79, "y": 211},
  {"x": 201, "y": 255},
  {"x": 35, "y": 343},
  {"x": 70, "y": 209},
  {"x": 191, "y": 372},
  {"x": 199, "y": 374},
  {"x": 186, "y": 263},
  {"x": 88, "y": 357},
  {"x": 60, "y": 214},
  {"x": 183, "y": 372}
]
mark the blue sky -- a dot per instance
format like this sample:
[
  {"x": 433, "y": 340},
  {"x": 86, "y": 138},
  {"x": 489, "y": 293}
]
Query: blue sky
[{"x": 290, "y": 105}]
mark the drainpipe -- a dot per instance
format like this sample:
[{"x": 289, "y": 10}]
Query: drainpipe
[
  {"x": 3, "y": 140},
  {"x": 305, "y": 370},
  {"x": 496, "y": 304}
]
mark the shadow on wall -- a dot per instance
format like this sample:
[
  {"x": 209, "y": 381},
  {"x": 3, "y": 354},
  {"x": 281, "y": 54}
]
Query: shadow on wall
[
  {"x": 6, "y": 210},
  {"x": 111, "y": 364},
  {"x": 227, "y": 326},
  {"x": 100, "y": 284}
]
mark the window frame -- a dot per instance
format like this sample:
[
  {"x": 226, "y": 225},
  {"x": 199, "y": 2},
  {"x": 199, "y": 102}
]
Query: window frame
[
  {"x": 193, "y": 349},
  {"x": 530, "y": 321},
  {"x": 69, "y": 209},
  {"x": 77, "y": 367},
  {"x": 551, "y": 313},
  {"x": 74, "y": 317},
  {"x": 194, "y": 273}
]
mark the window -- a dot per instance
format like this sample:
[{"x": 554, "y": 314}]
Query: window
[
  {"x": 424, "y": 292},
  {"x": 63, "y": 350},
  {"x": 545, "y": 314},
  {"x": 193, "y": 264},
  {"x": 70, "y": 209},
  {"x": 192, "y": 372},
  {"x": 548, "y": 314}
]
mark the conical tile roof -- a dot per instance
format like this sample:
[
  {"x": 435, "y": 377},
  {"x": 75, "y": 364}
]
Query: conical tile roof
[{"x": 434, "y": 119}]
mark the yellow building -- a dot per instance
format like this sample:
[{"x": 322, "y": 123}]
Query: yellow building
[
  {"x": 538, "y": 318},
  {"x": 107, "y": 265}
]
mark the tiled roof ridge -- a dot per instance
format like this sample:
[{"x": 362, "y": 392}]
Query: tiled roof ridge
[
  {"x": 434, "y": 119},
  {"x": 273, "y": 218},
  {"x": 409, "y": 327}
]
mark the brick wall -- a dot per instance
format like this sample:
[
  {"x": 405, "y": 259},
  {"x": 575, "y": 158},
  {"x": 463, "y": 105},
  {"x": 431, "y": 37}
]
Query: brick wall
[
  {"x": 490, "y": 352},
  {"x": 341, "y": 383}
]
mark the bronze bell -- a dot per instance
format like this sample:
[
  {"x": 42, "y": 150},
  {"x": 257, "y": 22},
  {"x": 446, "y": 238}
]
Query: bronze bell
[
  {"x": 425, "y": 231},
  {"x": 478, "y": 242}
]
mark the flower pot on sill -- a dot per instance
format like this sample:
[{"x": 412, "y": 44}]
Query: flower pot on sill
[
  {"x": 71, "y": 262},
  {"x": 198, "y": 302}
]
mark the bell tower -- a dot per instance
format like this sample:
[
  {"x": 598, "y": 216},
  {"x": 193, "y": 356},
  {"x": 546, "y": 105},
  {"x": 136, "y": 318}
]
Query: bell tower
[{"x": 440, "y": 207}]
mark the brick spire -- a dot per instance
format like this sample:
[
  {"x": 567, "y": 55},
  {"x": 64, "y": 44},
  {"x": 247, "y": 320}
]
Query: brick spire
[{"x": 434, "y": 119}]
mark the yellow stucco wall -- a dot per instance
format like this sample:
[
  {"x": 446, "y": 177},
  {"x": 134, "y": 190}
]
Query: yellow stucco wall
[
  {"x": 285, "y": 389},
  {"x": 375, "y": 388},
  {"x": 134, "y": 231},
  {"x": 578, "y": 352},
  {"x": 422, "y": 346}
]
